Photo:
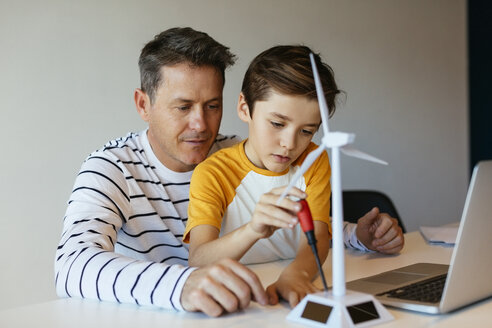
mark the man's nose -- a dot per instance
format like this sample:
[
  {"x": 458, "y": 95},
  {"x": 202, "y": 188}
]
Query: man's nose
[{"x": 197, "y": 120}]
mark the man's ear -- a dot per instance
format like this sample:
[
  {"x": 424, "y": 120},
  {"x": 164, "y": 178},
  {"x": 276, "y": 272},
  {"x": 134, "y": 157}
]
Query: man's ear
[
  {"x": 243, "y": 109},
  {"x": 142, "y": 102}
]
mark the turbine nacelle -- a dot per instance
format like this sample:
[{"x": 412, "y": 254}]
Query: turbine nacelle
[{"x": 337, "y": 139}]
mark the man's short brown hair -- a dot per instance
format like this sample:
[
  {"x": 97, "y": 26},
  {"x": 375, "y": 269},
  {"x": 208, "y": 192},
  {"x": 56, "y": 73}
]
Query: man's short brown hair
[{"x": 180, "y": 45}]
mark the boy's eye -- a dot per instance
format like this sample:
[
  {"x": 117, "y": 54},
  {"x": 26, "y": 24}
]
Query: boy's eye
[
  {"x": 276, "y": 124},
  {"x": 308, "y": 132}
]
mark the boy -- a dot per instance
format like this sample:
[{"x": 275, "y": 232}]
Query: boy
[{"x": 233, "y": 194}]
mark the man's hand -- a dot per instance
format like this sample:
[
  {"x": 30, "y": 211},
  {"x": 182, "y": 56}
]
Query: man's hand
[
  {"x": 380, "y": 232},
  {"x": 225, "y": 286}
]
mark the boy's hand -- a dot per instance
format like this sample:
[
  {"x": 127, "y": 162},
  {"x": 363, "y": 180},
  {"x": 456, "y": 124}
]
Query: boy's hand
[
  {"x": 291, "y": 286},
  {"x": 268, "y": 216}
]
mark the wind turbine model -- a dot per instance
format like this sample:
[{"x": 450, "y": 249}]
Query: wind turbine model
[{"x": 339, "y": 307}]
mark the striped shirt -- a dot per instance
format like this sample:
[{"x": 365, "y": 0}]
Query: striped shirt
[{"x": 123, "y": 228}]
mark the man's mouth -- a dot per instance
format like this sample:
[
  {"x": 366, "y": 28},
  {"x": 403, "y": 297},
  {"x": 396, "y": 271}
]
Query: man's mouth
[{"x": 196, "y": 140}]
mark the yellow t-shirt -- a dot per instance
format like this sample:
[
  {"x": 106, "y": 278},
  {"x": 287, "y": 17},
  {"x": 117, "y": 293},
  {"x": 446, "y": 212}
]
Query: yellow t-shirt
[{"x": 226, "y": 187}]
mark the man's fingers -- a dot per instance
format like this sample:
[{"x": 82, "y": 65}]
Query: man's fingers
[
  {"x": 225, "y": 286},
  {"x": 254, "y": 285},
  {"x": 197, "y": 298},
  {"x": 228, "y": 289},
  {"x": 218, "y": 293},
  {"x": 201, "y": 301}
]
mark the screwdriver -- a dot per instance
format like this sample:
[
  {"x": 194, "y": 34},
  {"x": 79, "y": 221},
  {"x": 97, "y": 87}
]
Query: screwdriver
[{"x": 306, "y": 221}]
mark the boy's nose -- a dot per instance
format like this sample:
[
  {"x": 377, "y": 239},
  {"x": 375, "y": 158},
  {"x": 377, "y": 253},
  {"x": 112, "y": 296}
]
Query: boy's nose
[{"x": 288, "y": 141}]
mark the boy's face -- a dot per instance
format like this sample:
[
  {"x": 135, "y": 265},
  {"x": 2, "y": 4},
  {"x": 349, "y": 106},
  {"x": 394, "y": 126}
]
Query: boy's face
[{"x": 280, "y": 130}]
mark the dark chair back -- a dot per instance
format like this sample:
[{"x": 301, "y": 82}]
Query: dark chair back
[{"x": 356, "y": 203}]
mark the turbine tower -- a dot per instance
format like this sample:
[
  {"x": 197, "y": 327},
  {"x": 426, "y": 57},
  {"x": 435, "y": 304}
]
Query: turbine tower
[{"x": 339, "y": 304}]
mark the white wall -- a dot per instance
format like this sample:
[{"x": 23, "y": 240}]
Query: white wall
[{"x": 68, "y": 70}]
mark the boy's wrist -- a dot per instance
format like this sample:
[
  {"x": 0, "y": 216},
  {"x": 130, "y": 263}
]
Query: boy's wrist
[
  {"x": 300, "y": 270},
  {"x": 251, "y": 233}
]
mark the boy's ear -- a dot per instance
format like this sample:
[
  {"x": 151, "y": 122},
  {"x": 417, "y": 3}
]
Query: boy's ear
[
  {"x": 142, "y": 102},
  {"x": 243, "y": 109}
]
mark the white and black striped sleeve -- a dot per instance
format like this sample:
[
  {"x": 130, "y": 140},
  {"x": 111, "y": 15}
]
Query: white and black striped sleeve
[{"x": 86, "y": 265}]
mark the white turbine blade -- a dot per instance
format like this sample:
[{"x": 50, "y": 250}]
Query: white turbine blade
[
  {"x": 323, "y": 107},
  {"x": 350, "y": 151},
  {"x": 305, "y": 165}
]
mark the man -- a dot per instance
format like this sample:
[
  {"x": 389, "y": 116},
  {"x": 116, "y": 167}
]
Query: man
[{"x": 123, "y": 229}]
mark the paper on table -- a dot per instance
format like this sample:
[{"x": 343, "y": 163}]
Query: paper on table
[{"x": 440, "y": 235}]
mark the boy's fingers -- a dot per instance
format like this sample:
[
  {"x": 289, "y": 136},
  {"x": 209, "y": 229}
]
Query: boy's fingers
[
  {"x": 270, "y": 200},
  {"x": 293, "y": 298},
  {"x": 281, "y": 222},
  {"x": 272, "y": 295},
  {"x": 276, "y": 216},
  {"x": 386, "y": 238},
  {"x": 294, "y": 191},
  {"x": 384, "y": 225},
  {"x": 393, "y": 246}
]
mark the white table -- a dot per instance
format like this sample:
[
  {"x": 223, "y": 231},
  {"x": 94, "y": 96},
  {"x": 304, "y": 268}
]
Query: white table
[{"x": 75, "y": 313}]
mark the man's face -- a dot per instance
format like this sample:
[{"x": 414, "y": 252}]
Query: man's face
[
  {"x": 185, "y": 117},
  {"x": 280, "y": 130}
]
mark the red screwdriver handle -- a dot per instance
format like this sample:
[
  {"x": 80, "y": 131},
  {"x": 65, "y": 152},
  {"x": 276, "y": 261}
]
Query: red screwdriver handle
[
  {"x": 304, "y": 216},
  {"x": 307, "y": 225}
]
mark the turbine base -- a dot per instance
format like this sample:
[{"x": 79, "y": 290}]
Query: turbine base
[{"x": 353, "y": 309}]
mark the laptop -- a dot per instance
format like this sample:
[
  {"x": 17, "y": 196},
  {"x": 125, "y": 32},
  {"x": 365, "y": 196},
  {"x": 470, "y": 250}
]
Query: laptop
[{"x": 446, "y": 287}]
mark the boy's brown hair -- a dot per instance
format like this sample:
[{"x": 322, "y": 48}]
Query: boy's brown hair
[{"x": 287, "y": 70}]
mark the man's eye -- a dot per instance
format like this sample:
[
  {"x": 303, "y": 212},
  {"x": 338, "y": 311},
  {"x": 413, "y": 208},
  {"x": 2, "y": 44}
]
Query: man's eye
[
  {"x": 213, "y": 107},
  {"x": 276, "y": 124},
  {"x": 183, "y": 108}
]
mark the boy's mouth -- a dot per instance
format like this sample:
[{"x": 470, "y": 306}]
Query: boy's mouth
[{"x": 281, "y": 159}]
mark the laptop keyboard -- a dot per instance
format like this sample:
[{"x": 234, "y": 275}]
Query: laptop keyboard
[{"x": 429, "y": 291}]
